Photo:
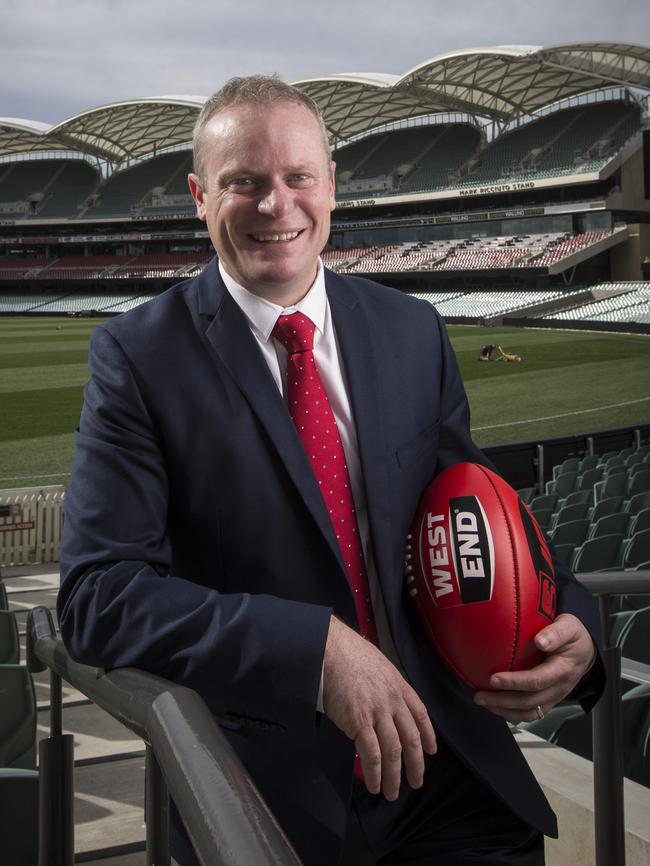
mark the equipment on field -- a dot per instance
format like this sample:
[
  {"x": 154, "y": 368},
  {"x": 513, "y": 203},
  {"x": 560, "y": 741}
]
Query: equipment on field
[{"x": 480, "y": 573}]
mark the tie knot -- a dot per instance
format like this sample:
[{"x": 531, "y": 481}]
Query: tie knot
[{"x": 295, "y": 332}]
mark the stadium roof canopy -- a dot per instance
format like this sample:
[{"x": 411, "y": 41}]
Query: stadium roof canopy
[{"x": 499, "y": 84}]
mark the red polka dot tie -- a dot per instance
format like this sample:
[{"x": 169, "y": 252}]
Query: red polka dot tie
[{"x": 316, "y": 426}]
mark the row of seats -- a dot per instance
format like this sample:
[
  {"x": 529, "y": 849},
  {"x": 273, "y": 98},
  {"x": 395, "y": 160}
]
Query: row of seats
[
  {"x": 597, "y": 510},
  {"x": 18, "y": 773}
]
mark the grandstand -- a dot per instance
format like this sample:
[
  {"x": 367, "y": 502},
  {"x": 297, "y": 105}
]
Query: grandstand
[
  {"x": 528, "y": 185},
  {"x": 503, "y": 185}
]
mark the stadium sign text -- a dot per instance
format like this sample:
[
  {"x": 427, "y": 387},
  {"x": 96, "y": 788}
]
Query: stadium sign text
[{"x": 499, "y": 187}]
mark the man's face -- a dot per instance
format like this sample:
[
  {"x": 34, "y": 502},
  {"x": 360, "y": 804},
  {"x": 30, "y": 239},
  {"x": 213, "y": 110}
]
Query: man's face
[{"x": 266, "y": 195}]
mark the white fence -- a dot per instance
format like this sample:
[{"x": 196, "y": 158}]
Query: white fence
[{"x": 31, "y": 520}]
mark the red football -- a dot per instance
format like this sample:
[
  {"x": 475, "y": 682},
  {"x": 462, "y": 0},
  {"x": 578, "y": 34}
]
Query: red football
[{"x": 480, "y": 573}]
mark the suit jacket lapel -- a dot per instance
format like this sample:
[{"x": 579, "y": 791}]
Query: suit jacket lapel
[
  {"x": 230, "y": 336},
  {"x": 359, "y": 352}
]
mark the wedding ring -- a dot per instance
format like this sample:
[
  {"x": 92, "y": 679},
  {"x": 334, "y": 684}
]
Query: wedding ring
[{"x": 540, "y": 712}]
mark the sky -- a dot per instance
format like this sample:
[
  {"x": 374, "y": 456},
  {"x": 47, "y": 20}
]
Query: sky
[{"x": 61, "y": 57}]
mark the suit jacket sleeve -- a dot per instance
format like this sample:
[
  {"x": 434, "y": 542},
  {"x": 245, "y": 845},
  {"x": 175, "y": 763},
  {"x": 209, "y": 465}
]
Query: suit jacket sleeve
[{"x": 120, "y": 604}]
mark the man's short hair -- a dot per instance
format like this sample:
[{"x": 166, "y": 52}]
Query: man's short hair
[{"x": 252, "y": 90}]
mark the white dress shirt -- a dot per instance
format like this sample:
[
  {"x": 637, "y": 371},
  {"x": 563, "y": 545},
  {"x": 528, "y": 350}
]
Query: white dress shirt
[{"x": 262, "y": 316}]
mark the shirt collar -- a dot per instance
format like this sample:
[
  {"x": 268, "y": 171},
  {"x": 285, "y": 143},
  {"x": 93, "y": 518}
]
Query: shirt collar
[{"x": 262, "y": 314}]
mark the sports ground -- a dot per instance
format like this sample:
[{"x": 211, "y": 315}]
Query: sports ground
[{"x": 568, "y": 382}]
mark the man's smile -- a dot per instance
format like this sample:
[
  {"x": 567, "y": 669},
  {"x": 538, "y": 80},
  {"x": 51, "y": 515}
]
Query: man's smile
[{"x": 275, "y": 237}]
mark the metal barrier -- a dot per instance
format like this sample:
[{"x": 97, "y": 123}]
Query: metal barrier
[
  {"x": 187, "y": 757},
  {"x": 607, "y": 727}
]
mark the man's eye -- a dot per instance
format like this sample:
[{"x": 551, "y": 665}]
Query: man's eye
[{"x": 241, "y": 182}]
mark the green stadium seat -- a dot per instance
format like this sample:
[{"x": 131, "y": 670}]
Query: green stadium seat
[
  {"x": 637, "y": 503},
  {"x": 610, "y": 523},
  {"x": 640, "y": 521},
  {"x": 578, "y": 496},
  {"x": 641, "y": 466},
  {"x": 19, "y": 817},
  {"x": 543, "y": 517},
  {"x": 637, "y": 550},
  {"x": 613, "y": 461},
  {"x": 18, "y": 718},
  {"x": 634, "y": 636},
  {"x": 610, "y": 505},
  {"x": 568, "y": 727},
  {"x": 544, "y": 500},
  {"x": 639, "y": 483},
  {"x": 613, "y": 485},
  {"x": 9, "y": 641},
  {"x": 564, "y": 484},
  {"x": 619, "y": 469},
  {"x": 599, "y": 554},
  {"x": 635, "y": 459},
  {"x": 589, "y": 462},
  {"x": 571, "y": 464},
  {"x": 571, "y": 532},
  {"x": 577, "y": 511},
  {"x": 565, "y": 553}
]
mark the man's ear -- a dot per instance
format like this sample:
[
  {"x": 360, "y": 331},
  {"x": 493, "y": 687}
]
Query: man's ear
[
  {"x": 196, "y": 190},
  {"x": 332, "y": 185}
]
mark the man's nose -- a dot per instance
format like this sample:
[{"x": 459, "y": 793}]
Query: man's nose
[{"x": 276, "y": 201}]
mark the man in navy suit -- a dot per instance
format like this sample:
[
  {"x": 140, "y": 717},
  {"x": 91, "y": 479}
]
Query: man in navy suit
[{"x": 198, "y": 545}]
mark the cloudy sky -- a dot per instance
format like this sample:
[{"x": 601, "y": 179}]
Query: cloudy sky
[{"x": 60, "y": 57}]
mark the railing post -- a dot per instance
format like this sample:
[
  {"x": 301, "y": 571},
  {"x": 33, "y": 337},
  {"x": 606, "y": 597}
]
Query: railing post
[
  {"x": 55, "y": 796},
  {"x": 540, "y": 469},
  {"x": 156, "y": 812},
  {"x": 608, "y": 755}
]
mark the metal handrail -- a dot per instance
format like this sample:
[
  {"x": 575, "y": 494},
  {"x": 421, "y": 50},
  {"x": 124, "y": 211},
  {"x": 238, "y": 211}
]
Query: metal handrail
[
  {"x": 607, "y": 720},
  {"x": 188, "y": 758}
]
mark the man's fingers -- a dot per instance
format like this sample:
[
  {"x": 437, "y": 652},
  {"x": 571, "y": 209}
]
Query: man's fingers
[
  {"x": 423, "y": 722},
  {"x": 369, "y": 752},
  {"x": 391, "y": 757}
]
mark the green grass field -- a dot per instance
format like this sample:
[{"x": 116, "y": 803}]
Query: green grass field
[{"x": 568, "y": 382}]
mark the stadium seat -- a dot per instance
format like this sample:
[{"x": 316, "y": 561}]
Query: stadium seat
[
  {"x": 599, "y": 554},
  {"x": 618, "y": 469},
  {"x": 591, "y": 461},
  {"x": 640, "y": 521},
  {"x": 19, "y": 817},
  {"x": 571, "y": 532},
  {"x": 18, "y": 718},
  {"x": 639, "y": 483},
  {"x": 612, "y": 485},
  {"x": 571, "y": 512},
  {"x": 565, "y": 553},
  {"x": 543, "y": 517},
  {"x": 578, "y": 496},
  {"x": 9, "y": 642},
  {"x": 610, "y": 523},
  {"x": 544, "y": 500},
  {"x": 564, "y": 484},
  {"x": 612, "y": 461},
  {"x": 634, "y": 636},
  {"x": 610, "y": 505},
  {"x": 571, "y": 464},
  {"x": 570, "y": 729},
  {"x": 637, "y": 503},
  {"x": 637, "y": 550}
]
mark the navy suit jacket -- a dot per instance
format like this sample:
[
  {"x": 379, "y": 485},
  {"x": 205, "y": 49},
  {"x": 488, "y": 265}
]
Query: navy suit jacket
[{"x": 197, "y": 545}]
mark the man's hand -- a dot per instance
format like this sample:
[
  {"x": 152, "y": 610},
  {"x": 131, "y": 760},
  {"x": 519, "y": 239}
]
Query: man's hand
[
  {"x": 570, "y": 651},
  {"x": 369, "y": 700}
]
